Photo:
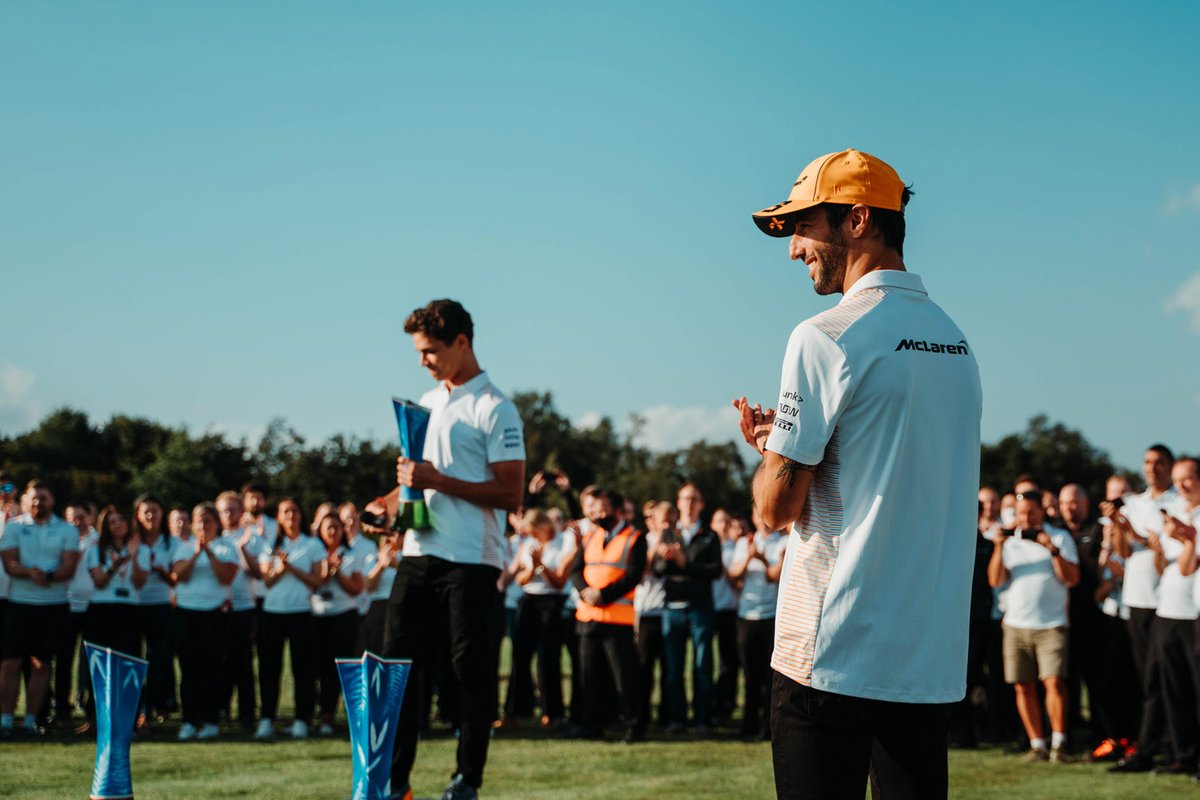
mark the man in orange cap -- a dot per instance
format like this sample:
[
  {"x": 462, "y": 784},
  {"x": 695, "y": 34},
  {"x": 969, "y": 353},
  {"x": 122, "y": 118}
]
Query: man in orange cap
[{"x": 871, "y": 458}]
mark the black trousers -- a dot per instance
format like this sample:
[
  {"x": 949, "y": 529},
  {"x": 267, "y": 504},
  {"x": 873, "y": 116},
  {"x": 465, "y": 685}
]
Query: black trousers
[
  {"x": 612, "y": 645},
  {"x": 728, "y": 662},
  {"x": 160, "y": 673},
  {"x": 200, "y": 638},
  {"x": 373, "y": 628},
  {"x": 1175, "y": 645},
  {"x": 1153, "y": 731},
  {"x": 64, "y": 660},
  {"x": 756, "y": 640},
  {"x": 333, "y": 637},
  {"x": 825, "y": 746},
  {"x": 238, "y": 671},
  {"x": 538, "y": 631},
  {"x": 432, "y": 594},
  {"x": 115, "y": 625},
  {"x": 650, "y": 652},
  {"x": 296, "y": 630}
]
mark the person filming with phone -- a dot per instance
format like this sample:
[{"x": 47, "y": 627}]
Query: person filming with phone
[{"x": 1039, "y": 566}]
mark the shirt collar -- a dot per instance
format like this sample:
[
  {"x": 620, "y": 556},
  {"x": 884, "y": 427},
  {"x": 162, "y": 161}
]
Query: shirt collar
[
  {"x": 890, "y": 278},
  {"x": 472, "y": 386}
]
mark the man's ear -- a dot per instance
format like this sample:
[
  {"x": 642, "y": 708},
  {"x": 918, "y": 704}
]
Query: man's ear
[{"x": 859, "y": 220}]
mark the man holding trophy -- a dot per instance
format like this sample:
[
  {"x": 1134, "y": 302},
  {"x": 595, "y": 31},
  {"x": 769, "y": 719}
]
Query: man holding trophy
[{"x": 469, "y": 467}]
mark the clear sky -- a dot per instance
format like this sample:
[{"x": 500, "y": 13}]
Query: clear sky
[{"x": 218, "y": 213}]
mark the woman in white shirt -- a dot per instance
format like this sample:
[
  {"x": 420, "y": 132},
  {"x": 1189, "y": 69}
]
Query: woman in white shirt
[
  {"x": 290, "y": 572},
  {"x": 335, "y": 610},
  {"x": 154, "y": 557},
  {"x": 112, "y": 615},
  {"x": 203, "y": 566},
  {"x": 379, "y": 574}
]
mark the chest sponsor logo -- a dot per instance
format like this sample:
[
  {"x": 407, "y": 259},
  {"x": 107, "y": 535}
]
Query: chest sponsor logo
[{"x": 920, "y": 345}]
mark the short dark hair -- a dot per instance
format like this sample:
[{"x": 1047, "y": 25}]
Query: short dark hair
[
  {"x": 254, "y": 486},
  {"x": 1027, "y": 477},
  {"x": 889, "y": 223},
  {"x": 38, "y": 483},
  {"x": 1163, "y": 451},
  {"x": 444, "y": 320}
]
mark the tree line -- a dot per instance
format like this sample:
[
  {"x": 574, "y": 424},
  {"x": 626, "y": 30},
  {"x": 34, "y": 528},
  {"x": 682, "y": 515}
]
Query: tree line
[{"x": 116, "y": 460}]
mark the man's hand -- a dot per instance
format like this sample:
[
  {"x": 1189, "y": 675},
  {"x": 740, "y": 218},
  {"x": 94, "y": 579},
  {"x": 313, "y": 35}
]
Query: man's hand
[
  {"x": 1153, "y": 542},
  {"x": 537, "y": 483},
  {"x": 1112, "y": 512},
  {"x": 416, "y": 474},
  {"x": 754, "y": 423},
  {"x": 38, "y": 577},
  {"x": 590, "y": 595},
  {"x": 1177, "y": 529}
]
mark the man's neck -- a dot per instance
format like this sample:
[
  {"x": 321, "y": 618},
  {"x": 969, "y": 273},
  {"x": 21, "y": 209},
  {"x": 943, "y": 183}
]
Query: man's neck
[
  {"x": 41, "y": 520},
  {"x": 1158, "y": 491},
  {"x": 871, "y": 261},
  {"x": 686, "y": 523},
  {"x": 469, "y": 370}
]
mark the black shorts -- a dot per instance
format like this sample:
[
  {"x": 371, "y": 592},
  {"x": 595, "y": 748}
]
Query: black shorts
[{"x": 32, "y": 631}]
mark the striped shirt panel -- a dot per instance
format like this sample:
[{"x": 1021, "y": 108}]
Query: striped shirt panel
[{"x": 834, "y": 322}]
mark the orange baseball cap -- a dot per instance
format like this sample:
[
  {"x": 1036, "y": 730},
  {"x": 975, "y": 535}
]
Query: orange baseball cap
[{"x": 848, "y": 177}]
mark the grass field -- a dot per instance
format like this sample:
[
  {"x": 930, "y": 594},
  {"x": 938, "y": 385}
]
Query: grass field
[{"x": 522, "y": 764}]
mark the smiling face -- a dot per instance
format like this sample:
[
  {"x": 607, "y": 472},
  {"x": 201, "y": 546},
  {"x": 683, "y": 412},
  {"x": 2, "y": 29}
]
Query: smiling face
[
  {"x": 822, "y": 248},
  {"x": 1187, "y": 481},
  {"x": 149, "y": 516},
  {"x": 444, "y": 361},
  {"x": 1156, "y": 469}
]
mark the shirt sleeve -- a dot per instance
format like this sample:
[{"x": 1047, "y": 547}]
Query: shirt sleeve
[
  {"x": 505, "y": 434},
  {"x": 813, "y": 392},
  {"x": 1066, "y": 546},
  {"x": 92, "y": 557}
]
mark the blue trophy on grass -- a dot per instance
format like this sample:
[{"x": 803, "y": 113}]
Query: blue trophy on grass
[
  {"x": 373, "y": 688},
  {"x": 413, "y": 421},
  {"x": 117, "y": 681}
]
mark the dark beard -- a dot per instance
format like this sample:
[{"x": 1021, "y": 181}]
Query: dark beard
[{"x": 832, "y": 259}]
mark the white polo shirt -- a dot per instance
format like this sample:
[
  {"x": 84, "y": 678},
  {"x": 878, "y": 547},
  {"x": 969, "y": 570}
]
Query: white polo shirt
[
  {"x": 1036, "y": 599},
  {"x": 1140, "y": 586},
  {"x": 470, "y": 428},
  {"x": 555, "y": 552},
  {"x": 289, "y": 594},
  {"x": 759, "y": 596},
  {"x": 159, "y": 555},
  {"x": 120, "y": 588},
  {"x": 81, "y": 586},
  {"x": 1175, "y": 599},
  {"x": 882, "y": 393},
  {"x": 365, "y": 554},
  {"x": 330, "y": 599},
  {"x": 39, "y": 546},
  {"x": 202, "y": 591},
  {"x": 244, "y": 589}
]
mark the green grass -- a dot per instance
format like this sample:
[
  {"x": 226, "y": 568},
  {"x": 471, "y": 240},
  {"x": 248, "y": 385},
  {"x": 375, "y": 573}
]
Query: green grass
[{"x": 522, "y": 764}]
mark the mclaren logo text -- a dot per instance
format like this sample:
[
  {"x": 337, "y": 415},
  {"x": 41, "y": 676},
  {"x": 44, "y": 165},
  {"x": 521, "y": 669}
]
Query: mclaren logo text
[{"x": 959, "y": 349}]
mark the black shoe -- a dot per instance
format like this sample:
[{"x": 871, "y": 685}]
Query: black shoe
[
  {"x": 1176, "y": 767},
  {"x": 1135, "y": 764},
  {"x": 459, "y": 789}
]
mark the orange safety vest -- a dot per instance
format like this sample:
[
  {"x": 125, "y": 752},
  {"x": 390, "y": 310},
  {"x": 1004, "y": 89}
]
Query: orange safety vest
[{"x": 604, "y": 564}]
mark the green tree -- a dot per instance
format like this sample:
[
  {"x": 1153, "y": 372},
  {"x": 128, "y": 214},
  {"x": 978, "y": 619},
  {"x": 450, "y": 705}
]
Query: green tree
[{"x": 1054, "y": 453}]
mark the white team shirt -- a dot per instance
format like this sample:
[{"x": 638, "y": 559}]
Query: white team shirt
[
  {"x": 244, "y": 588},
  {"x": 157, "y": 591},
  {"x": 1140, "y": 587},
  {"x": 470, "y": 428},
  {"x": 554, "y": 552},
  {"x": 290, "y": 595},
  {"x": 120, "y": 588},
  {"x": 79, "y": 590},
  {"x": 650, "y": 597},
  {"x": 724, "y": 597},
  {"x": 365, "y": 554},
  {"x": 39, "y": 546},
  {"x": 1036, "y": 599},
  {"x": 883, "y": 394},
  {"x": 202, "y": 591},
  {"x": 383, "y": 588},
  {"x": 759, "y": 596},
  {"x": 270, "y": 527},
  {"x": 330, "y": 599}
]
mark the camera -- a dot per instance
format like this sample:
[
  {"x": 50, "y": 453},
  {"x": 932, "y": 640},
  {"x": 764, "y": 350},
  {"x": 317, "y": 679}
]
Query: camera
[
  {"x": 372, "y": 519},
  {"x": 1117, "y": 503}
]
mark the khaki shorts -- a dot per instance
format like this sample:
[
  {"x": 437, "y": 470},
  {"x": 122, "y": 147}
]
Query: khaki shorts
[{"x": 1032, "y": 654}]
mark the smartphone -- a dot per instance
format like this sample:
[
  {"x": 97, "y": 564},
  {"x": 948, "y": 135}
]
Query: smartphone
[{"x": 373, "y": 519}]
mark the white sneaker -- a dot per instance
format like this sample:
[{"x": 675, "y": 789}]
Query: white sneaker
[
  {"x": 299, "y": 729},
  {"x": 325, "y": 730},
  {"x": 187, "y": 732},
  {"x": 266, "y": 730},
  {"x": 208, "y": 731}
]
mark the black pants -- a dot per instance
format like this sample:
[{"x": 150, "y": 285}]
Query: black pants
[
  {"x": 728, "y": 662},
  {"x": 64, "y": 661},
  {"x": 238, "y": 672},
  {"x": 200, "y": 638},
  {"x": 160, "y": 673},
  {"x": 115, "y": 625},
  {"x": 373, "y": 628},
  {"x": 296, "y": 630},
  {"x": 756, "y": 640},
  {"x": 538, "y": 630},
  {"x": 1175, "y": 645},
  {"x": 1153, "y": 731},
  {"x": 964, "y": 731},
  {"x": 333, "y": 637},
  {"x": 612, "y": 645},
  {"x": 462, "y": 599},
  {"x": 650, "y": 652},
  {"x": 825, "y": 746}
]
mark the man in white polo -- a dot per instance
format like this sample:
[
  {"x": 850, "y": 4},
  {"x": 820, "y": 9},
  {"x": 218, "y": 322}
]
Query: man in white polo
[
  {"x": 474, "y": 471},
  {"x": 872, "y": 459}
]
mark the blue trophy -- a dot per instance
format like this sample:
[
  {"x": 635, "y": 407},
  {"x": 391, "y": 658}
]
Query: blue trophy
[
  {"x": 413, "y": 421},
  {"x": 373, "y": 689},
  {"x": 117, "y": 681}
]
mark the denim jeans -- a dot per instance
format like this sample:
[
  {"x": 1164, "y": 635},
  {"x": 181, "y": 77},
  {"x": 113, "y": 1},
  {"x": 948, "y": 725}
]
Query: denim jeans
[{"x": 680, "y": 624}]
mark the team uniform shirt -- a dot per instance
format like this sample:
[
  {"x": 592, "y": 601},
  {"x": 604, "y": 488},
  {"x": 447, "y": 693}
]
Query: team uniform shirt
[
  {"x": 882, "y": 393},
  {"x": 269, "y": 529},
  {"x": 331, "y": 599},
  {"x": 81, "y": 587},
  {"x": 1144, "y": 512},
  {"x": 120, "y": 588},
  {"x": 383, "y": 588},
  {"x": 290, "y": 595},
  {"x": 470, "y": 428},
  {"x": 365, "y": 554},
  {"x": 156, "y": 591},
  {"x": 1036, "y": 598},
  {"x": 244, "y": 589},
  {"x": 513, "y": 592},
  {"x": 724, "y": 596},
  {"x": 759, "y": 596},
  {"x": 39, "y": 547},
  {"x": 1174, "y": 589},
  {"x": 650, "y": 597},
  {"x": 555, "y": 552},
  {"x": 202, "y": 591}
]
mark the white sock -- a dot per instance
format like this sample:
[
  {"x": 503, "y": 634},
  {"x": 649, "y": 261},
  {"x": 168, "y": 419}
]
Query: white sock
[
  {"x": 6, "y": 720},
  {"x": 1057, "y": 739},
  {"x": 1038, "y": 744}
]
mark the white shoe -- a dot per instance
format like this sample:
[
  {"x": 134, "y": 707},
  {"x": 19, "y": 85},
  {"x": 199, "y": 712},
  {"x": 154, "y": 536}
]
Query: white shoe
[
  {"x": 187, "y": 732},
  {"x": 325, "y": 730},
  {"x": 299, "y": 729},
  {"x": 208, "y": 731},
  {"x": 266, "y": 730}
]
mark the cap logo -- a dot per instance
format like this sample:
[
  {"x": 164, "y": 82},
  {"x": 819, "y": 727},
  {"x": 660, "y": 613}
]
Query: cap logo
[
  {"x": 803, "y": 178},
  {"x": 776, "y": 224}
]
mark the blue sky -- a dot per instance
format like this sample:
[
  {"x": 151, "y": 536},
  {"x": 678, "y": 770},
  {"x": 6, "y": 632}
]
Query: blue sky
[{"x": 218, "y": 213}]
